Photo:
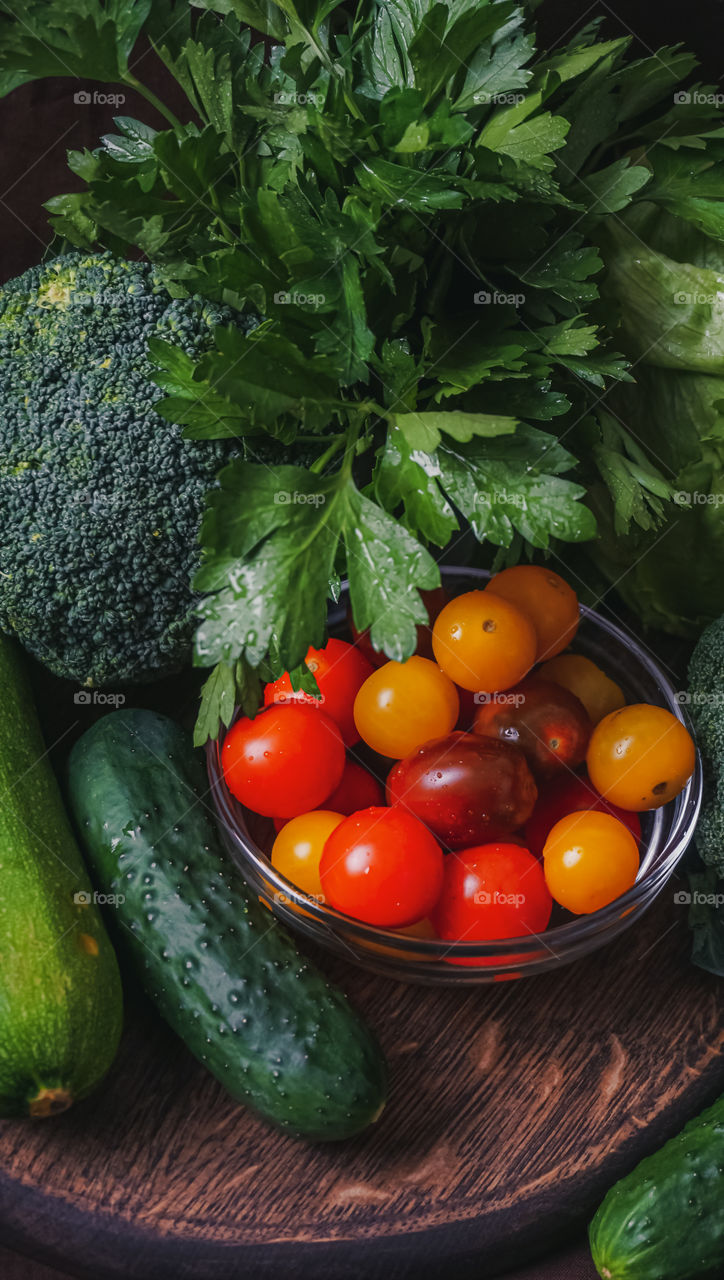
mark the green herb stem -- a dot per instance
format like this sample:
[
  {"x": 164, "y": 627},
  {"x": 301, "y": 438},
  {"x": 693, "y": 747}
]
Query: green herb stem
[{"x": 150, "y": 96}]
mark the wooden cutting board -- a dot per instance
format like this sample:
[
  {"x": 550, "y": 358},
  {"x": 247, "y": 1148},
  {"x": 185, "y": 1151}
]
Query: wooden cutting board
[{"x": 512, "y": 1109}]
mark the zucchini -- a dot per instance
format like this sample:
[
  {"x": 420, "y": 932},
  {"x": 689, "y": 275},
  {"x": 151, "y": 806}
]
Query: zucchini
[
  {"x": 665, "y": 1220},
  {"x": 61, "y": 1007},
  {"x": 219, "y": 968}
]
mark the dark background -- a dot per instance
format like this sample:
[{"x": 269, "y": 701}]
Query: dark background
[{"x": 41, "y": 122}]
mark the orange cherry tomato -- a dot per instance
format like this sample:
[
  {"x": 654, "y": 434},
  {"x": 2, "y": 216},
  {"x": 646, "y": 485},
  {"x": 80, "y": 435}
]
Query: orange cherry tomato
[
  {"x": 640, "y": 757},
  {"x": 589, "y": 859},
  {"x": 599, "y": 694},
  {"x": 404, "y": 704},
  {"x": 546, "y": 599},
  {"x": 298, "y": 848},
  {"x": 483, "y": 642}
]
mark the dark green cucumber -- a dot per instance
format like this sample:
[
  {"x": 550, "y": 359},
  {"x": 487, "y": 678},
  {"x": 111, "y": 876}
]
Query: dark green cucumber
[
  {"x": 61, "y": 1007},
  {"x": 665, "y": 1221},
  {"x": 220, "y": 969}
]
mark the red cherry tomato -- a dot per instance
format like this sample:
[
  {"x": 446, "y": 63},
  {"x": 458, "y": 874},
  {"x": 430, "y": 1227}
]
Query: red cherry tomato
[
  {"x": 357, "y": 790},
  {"x": 466, "y": 789},
  {"x": 492, "y": 891},
  {"x": 433, "y": 601},
  {"x": 340, "y": 670},
  {"x": 546, "y": 720},
  {"x": 285, "y": 761},
  {"x": 382, "y": 866},
  {"x": 571, "y": 794}
]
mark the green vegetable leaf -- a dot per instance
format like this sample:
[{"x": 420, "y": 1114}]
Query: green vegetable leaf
[
  {"x": 271, "y": 539},
  {"x": 83, "y": 39},
  {"x": 406, "y": 479},
  {"x": 612, "y": 188},
  {"x": 387, "y": 568},
  {"x": 218, "y": 699},
  {"x": 527, "y": 142},
  {"x": 271, "y": 536},
  {"x": 422, "y": 430},
  {"x": 514, "y": 485},
  {"x": 396, "y": 184}
]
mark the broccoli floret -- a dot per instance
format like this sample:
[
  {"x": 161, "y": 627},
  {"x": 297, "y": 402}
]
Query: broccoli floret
[
  {"x": 706, "y": 707},
  {"x": 100, "y": 497}
]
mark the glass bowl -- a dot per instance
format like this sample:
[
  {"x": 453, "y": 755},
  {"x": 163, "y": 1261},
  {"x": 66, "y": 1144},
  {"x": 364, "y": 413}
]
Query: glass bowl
[{"x": 666, "y": 832}]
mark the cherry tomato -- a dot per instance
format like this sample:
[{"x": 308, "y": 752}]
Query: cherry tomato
[
  {"x": 285, "y": 761},
  {"x": 382, "y": 866},
  {"x": 357, "y": 790},
  {"x": 404, "y": 704},
  {"x": 589, "y": 859},
  {"x": 466, "y": 789},
  {"x": 548, "y": 723},
  {"x": 433, "y": 602},
  {"x": 571, "y": 794},
  {"x": 492, "y": 891},
  {"x": 340, "y": 670},
  {"x": 640, "y": 757},
  {"x": 298, "y": 849},
  {"x": 599, "y": 694},
  {"x": 546, "y": 599},
  {"x": 483, "y": 642}
]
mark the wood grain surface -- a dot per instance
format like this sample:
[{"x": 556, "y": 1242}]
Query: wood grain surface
[{"x": 512, "y": 1110}]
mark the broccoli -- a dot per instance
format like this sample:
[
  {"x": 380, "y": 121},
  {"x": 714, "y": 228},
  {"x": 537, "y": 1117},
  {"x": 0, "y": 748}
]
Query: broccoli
[
  {"x": 100, "y": 497},
  {"x": 706, "y": 706}
]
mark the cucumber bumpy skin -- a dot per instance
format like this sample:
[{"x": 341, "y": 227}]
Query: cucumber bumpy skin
[
  {"x": 61, "y": 1005},
  {"x": 665, "y": 1220},
  {"x": 217, "y": 965}
]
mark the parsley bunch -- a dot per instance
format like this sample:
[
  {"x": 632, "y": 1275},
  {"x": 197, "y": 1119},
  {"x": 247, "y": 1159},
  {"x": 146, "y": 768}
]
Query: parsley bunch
[{"x": 406, "y": 197}]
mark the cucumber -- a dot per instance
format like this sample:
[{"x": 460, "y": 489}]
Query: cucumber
[
  {"x": 665, "y": 1221},
  {"x": 61, "y": 1007},
  {"x": 219, "y": 968}
]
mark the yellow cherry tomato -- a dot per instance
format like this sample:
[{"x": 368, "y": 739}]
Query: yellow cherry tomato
[
  {"x": 483, "y": 642},
  {"x": 589, "y": 860},
  {"x": 546, "y": 599},
  {"x": 298, "y": 848},
  {"x": 404, "y": 704},
  {"x": 640, "y": 757},
  {"x": 599, "y": 694}
]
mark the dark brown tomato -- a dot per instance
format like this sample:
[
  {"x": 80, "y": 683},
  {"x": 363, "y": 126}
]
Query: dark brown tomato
[
  {"x": 466, "y": 789},
  {"x": 548, "y": 722}
]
